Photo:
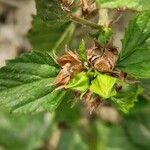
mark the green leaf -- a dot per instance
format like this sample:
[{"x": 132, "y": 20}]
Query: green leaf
[
  {"x": 109, "y": 137},
  {"x": 142, "y": 105},
  {"x": 135, "y": 55},
  {"x": 80, "y": 82},
  {"x": 98, "y": 135},
  {"x": 25, "y": 84},
  {"x": 71, "y": 140},
  {"x": 68, "y": 111},
  {"x": 25, "y": 132},
  {"x": 117, "y": 139},
  {"x": 51, "y": 11},
  {"x": 139, "y": 5},
  {"x": 82, "y": 51},
  {"x": 104, "y": 36},
  {"x": 146, "y": 85},
  {"x": 137, "y": 125},
  {"x": 125, "y": 99},
  {"x": 103, "y": 85},
  {"x": 51, "y": 27}
]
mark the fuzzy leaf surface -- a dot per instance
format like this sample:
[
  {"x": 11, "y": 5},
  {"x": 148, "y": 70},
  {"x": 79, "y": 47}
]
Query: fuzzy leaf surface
[
  {"x": 51, "y": 27},
  {"x": 139, "y": 5},
  {"x": 25, "y": 84},
  {"x": 135, "y": 55}
]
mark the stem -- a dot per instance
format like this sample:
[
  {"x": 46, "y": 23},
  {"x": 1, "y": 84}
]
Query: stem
[
  {"x": 116, "y": 19},
  {"x": 86, "y": 22},
  {"x": 103, "y": 17}
]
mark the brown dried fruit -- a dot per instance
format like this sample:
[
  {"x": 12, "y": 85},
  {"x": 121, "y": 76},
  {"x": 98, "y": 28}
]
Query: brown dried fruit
[
  {"x": 69, "y": 57},
  {"x": 91, "y": 102},
  {"x": 66, "y": 4},
  {"x": 70, "y": 66},
  {"x": 102, "y": 59},
  {"x": 64, "y": 75},
  {"x": 87, "y": 6}
]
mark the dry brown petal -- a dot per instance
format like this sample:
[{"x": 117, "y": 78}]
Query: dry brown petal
[
  {"x": 106, "y": 63},
  {"x": 64, "y": 75},
  {"x": 62, "y": 80},
  {"x": 69, "y": 57},
  {"x": 120, "y": 75},
  {"x": 91, "y": 102},
  {"x": 70, "y": 65},
  {"x": 95, "y": 104},
  {"x": 66, "y": 5},
  {"x": 76, "y": 69},
  {"x": 101, "y": 64},
  {"x": 67, "y": 2},
  {"x": 102, "y": 59},
  {"x": 94, "y": 52},
  {"x": 87, "y": 6}
]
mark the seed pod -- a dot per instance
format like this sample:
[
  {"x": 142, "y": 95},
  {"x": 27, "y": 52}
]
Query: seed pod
[
  {"x": 69, "y": 57},
  {"x": 87, "y": 6},
  {"x": 70, "y": 66},
  {"x": 91, "y": 102},
  {"x": 102, "y": 59},
  {"x": 66, "y": 4},
  {"x": 64, "y": 75}
]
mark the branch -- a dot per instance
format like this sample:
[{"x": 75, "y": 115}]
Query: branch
[{"x": 86, "y": 22}]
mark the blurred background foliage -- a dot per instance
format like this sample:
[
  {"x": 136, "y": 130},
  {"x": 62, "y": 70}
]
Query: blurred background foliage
[{"x": 71, "y": 127}]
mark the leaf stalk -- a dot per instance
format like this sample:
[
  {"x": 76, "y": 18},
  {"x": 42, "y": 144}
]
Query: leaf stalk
[{"x": 86, "y": 22}]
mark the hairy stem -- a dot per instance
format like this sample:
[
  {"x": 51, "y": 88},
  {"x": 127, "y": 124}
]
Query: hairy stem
[{"x": 86, "y": 22}]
